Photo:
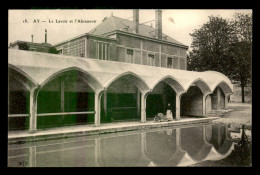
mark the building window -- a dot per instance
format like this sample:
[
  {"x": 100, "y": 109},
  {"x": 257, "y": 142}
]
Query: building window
[
  {"x": 60, "y": 52},
  {"x": 169, "y": 62},
  {"x": 66, "y": 50},
  {"x": 150, "y": 60},
  {"x": 102, "y": 51},
  {"x": 75, "y": 48},
  {"x": 129, "y": 55}
]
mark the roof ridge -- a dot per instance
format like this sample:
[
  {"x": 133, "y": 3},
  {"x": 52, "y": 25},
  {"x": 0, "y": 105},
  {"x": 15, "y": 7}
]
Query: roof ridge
[
  {"x": 113, "y": 22},
  {"x": 94, "y": 29},
  {"x": 132, "y": 22},
  {"x": 150, "y": 27}
]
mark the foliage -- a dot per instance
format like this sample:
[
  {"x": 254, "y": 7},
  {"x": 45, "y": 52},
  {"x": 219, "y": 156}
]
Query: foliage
[
  {"x": 241, "y": 50},
  {"x": 224, "y": 46},
  {"x": 23, "y": 46},
  {"x": 241, "y": 156},
  {"x": 53, "y": 50}
]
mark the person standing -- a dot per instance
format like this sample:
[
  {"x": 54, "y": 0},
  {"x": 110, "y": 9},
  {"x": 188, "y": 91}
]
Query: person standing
[
  {"x": 228, "y": 98},
  {"x": 169, "y": 112}
]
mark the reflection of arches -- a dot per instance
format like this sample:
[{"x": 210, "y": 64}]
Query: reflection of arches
[
  {"x": 180, "y": 158},
  {"x": 208, "y": 133},
  {"x": 217, "y": 137},
  {"x": 161, "y": 146},
  {"x": 192, "y": 142},
  {"x": 127, "y": 149}
]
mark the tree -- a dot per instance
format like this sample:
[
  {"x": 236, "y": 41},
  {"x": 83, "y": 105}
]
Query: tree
[
  {"x": 210, "y": 46},
  {"x": 23, "y": 46},
  {"x": 53, "y": 50},
  {"x": 223, "y": 46},
  {"x": 241, "y": 50}
]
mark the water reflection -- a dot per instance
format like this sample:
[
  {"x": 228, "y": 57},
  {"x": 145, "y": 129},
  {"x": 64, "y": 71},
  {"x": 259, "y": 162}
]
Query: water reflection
[{"x": 157, "y": 147}]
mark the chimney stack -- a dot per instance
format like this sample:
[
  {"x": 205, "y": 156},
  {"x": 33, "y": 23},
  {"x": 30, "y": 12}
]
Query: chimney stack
[
  {"x": 32, "y": 38},
  {"x": 45, "y": 36},
  {"x": 136, "y": 20},
  {"x": 158, "y": 24}
]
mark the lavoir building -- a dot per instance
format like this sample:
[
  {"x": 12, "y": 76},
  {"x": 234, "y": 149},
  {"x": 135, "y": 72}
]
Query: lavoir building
[{"x": 120, "y": 71}]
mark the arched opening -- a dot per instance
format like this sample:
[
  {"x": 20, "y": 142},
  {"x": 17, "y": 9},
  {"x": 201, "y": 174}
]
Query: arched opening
[
  {"x": 66, "y": 99},
  {"x": 192, "y": 100},
  {"x": 158, "y": 100},
  {"x": 217, "y": 99},
  {"x": 18, "y": 100},
  {"x": 208, "y": 104},
  {"x": 122, "y": 99}
]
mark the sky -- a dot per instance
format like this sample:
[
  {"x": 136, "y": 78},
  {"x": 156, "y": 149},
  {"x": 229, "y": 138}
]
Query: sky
[{"x": 21, "y": 23}]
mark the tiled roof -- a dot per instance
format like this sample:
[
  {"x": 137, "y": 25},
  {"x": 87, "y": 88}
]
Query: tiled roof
[{"x": 115, "y": 23}]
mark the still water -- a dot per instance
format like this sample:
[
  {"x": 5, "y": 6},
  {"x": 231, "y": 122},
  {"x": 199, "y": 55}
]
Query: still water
[{"x": 168, "y": 146}]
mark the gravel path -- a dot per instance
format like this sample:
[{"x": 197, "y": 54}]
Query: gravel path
[{"x": 239, "y": 114}]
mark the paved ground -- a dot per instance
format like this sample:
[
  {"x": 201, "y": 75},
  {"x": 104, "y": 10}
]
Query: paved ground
[
  {"x": 239, "y": 114},
  {"x": 71, "y": 131}
]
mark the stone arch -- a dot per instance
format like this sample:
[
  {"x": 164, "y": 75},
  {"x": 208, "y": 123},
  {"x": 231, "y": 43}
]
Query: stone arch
[
  {"x": 20, "y": 85},
  {"x": 203, "y": 86},
  {"x": 140, "y": 82},
  {"x": 193, "y": 101},
  {"x": 164, "y": 92},
  {"x": 21, "y": 76},
  {"x": 92, "y": 80},
  {"x": 224, "y": 86},
  {"x": 171, "y": 81},
  {"x": 71, "y": 91},
  {"x": 122, "y": 97}
]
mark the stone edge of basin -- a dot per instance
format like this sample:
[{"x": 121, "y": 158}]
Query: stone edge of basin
[{"x": 97, "y": 131}]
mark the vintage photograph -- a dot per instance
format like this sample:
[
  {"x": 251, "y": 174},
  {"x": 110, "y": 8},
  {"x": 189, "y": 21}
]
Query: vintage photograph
[{"x": 130, "y": 88}]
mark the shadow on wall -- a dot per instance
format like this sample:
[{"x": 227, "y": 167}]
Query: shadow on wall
[{"x": 191, "y": 102}]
